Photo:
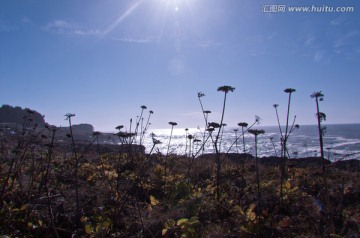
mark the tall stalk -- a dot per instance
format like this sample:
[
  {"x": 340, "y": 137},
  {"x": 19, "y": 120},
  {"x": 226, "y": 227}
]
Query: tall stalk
[
  {"x": 146, "y": 127},
  {"x": 256, "y": 132},
  {"x": 224, "y": 89},
  {"x": 168, "y": 147},
  {"x": 289, "y": 91},
  {"x": 284, "y": 139},
  {"x": 138, "y": 121},
  {"x": 236, "y": 140},
  {"x": 243, "y": 125},
  {"x": 320, "y": 116},
  {"x": 205, "y": 115},
  {"x": 68, "y": 117}
]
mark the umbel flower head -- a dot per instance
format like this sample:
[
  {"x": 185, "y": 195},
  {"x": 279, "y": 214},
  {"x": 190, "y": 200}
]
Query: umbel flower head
[
  {"x": 155, "y": 141},
  {"x": 213, "y": 125},
  {"x": 172, "y": 123},
  {"x": 69, "y": 115},
  {"x": 226, "y": 89},
  {"x": 119, "y": 127},
  {"x": 256, "y": 131},
  {"x": 143, "y": 107},
  {"x": 243, "y": 124},
  {"x": 289, "y": 90},
  {"x": 318, "y": 95},
  {"x": 200, "y": 94},
  {"x": 125, "y": 134}
]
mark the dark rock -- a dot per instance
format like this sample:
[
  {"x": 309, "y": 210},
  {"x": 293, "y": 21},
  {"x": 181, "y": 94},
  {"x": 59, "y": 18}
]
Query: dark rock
[{"x": 352, "y": 165}]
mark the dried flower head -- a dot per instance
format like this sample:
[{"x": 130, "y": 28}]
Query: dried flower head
[
  {"x": 256, "y": 131},
  {"x": 289, "y": 90},
  {"x": 200, "y": 94},
  {"x": 226, "y": 89},
  {"x": 172, "y": 123},
  {"x": 243, "y": 124}
]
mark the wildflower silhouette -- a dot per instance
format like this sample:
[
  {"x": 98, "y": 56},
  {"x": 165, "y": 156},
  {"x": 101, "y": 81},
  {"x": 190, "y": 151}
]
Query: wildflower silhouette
[
  {"x": 186, "y": 140},
  {"x": 222, "y": 134},
  {"x": 257, "y": 121},
  {"x": 257, "y": 132},
  {"x": 319, "y": 96},
  {"x": 200, "y": 95},
  {"x": 320, "y": 116},
  {"x": 143, "y": 107},
  {"x": 213, "y": 125},
  {"x": 168, "y": 147},
  {"x": 273, "y": 145},
  {"x": 205, "y": 114},
  {"x": 68, "y": 117},
  {"x": 236, "y": 139},
  {"x": 147, "y": 125},
  {"x": 243, "y": 125},
  {"x": 225, "y": 90},
  {"x": 190, "y": 137},
  {"x": 284, "y": 138},
  {"x": 119, "y": 127},
  {"x": 289, "y": 91},
  {"x": 155, "y": 142},
  {"x": 278, "y": 120}
]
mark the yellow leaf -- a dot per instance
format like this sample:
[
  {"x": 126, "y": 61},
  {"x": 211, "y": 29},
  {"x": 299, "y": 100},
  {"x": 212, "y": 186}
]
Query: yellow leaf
[
  {"x": 30, "y": 225},
  {"x": 24, "y": 207},
  {"x": 154, "y": 201},
  {"x": 107, "y": 224},
  {"x": 181, "y": 221},
  {"x": 84, "y": 219},
  {"x": 164, "y": 231},
  {"x": 288, "y": 185},
  {"x": 40, "y": 222},
  {"x": 335, "y": 236},
  {"x": 250, "y": 212}
]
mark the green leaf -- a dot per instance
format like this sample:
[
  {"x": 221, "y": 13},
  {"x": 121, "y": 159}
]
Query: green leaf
[{"x": 89, "y": 229}]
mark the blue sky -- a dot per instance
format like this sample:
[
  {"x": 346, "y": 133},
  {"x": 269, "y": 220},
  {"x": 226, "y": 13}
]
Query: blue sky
[{"x": 103, "y": 59}]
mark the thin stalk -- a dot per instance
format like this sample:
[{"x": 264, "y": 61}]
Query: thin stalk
[{"x": 76, "y": 170}]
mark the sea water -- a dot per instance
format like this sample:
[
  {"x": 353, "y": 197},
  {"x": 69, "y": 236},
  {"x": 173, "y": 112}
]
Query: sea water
[{"x": 341, "y": 141}]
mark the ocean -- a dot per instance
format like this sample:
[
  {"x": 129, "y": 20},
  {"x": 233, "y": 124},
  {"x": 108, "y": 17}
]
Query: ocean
[{"x": 341, "y": 141}]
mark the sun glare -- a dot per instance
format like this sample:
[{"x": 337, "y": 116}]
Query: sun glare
[{"x": 173, "y": 4}]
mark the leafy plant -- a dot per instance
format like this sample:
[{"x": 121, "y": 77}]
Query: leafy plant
[{"x": 183, "y": 227}]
